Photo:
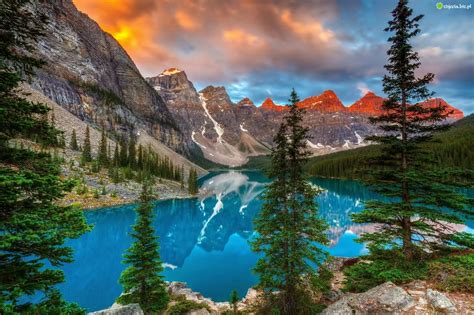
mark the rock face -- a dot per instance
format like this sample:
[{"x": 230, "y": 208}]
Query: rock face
[
  {"x": 117, "y": 309},
  {"x": 92, "y": 76},
  {"x": 209, "y": 120},
  {"x": 386, "y": 298},
  {"x": 440, "y": 302},
  {"x": 327, "y": 102},
  {"x": 371, "y": 105}
]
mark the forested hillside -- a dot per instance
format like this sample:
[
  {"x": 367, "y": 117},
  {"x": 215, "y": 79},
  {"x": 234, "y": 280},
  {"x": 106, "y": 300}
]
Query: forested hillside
[{"x": 454, "y": 147}]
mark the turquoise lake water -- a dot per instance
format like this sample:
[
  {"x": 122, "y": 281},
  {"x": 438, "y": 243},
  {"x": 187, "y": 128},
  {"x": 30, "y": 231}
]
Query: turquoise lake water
[{"x": 203, "y": 241}]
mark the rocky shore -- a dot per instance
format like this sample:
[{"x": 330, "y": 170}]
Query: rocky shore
[{"x": 414, "y": 298}]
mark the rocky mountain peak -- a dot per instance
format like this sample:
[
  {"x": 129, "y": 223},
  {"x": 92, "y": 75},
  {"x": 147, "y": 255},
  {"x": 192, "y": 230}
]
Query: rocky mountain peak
[
  {"x": 216, "y": 93},
  {"x": 369, "y": 104},
  {"x": 170, "y": 71},
  {"x": 245, "y": 102},
  {"x": 268, "y": 104},
  {"x": 454, "y": 113},
  {"x": 325, "y": 102}
]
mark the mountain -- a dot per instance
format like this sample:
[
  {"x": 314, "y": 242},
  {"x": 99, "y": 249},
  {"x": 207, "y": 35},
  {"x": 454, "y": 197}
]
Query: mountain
[
  {"x": 452, "y": 148},
  {"x": 327, "y": 102},
  {"x": 90, "y": 75},
  {"x": 371, "y": 104},
  {"x": 209, "y": 119},
  {"x": 268, "y": 104}
]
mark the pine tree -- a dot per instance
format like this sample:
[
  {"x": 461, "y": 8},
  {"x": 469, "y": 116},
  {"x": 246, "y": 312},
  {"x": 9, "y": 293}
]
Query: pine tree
[
  {"x": 73, "y": 145},
  {"x": 102, "y": 157},
  {"x": 288, "y": 227},
  {"x": 193, "y": 187},
  {"x": 140, "y": 157},
  {"x": 233, "y": 300},
  {"x": 33, "y": 227},
  {"x": 132, "y": 153},
  {"x": 142, "y": 280},
  {"x": 422, "y": 200},
  {"x": 181, "y": 178},
  {"x": 116, "y": 159},
  {"x": 86, "y": 148},
  {"x": 123, "y": 152}
]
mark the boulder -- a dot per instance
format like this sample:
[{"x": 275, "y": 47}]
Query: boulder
[
  {"x": 201, "y": 311},
  {"x": 386, "y": 298},
  {"x": 440, "y": 302}
]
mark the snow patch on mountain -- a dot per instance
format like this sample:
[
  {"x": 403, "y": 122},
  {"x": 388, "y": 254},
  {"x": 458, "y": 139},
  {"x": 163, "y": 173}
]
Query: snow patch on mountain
[
  {"x": 217, "y": 127},
  {"x": 242, "y": 128}
]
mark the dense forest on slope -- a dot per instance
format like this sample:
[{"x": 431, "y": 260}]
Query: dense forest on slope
[{"x": 454, "y": 147}]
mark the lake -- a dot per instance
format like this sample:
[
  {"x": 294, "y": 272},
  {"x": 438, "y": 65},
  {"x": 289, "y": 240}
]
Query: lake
[{"x": 203, "y": 242}]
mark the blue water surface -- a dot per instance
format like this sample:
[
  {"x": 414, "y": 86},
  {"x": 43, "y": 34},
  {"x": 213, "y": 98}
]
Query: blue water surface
[{"x": 204, "y": 242}]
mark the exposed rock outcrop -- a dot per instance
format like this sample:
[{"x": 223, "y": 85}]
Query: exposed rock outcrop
[{"x": 91, "y": 75}]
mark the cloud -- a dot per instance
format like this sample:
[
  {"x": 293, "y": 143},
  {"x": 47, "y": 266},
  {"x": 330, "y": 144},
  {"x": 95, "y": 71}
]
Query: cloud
[
  {"x": 363, "y": 88},
  {"x": 269, "y": 46}
]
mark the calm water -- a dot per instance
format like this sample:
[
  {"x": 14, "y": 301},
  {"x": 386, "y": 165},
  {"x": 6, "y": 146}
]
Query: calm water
[{"x": 203, "y": 241}]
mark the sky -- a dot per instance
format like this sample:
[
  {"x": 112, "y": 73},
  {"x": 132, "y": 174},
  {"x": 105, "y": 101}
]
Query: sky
[{"x": 263, "y": 48}]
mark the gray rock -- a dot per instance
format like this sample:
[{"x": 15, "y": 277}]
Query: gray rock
[
  {"x": 386, "y": 298},
  {"x": 440, "y": 302},
  {"x": 201, "y": 311},
  {"x": 117, "y": 309}
]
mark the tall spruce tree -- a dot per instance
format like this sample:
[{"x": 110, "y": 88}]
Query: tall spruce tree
[
  {"x": 102, "y": 157},
  {"x": 123, "y": 152},
  {"x": 132, "y": 152},
  {"x": 288, "y": 226},
  {"x": 423, "y": 201},
  {"x": 73, "y": 145},
  {"x": 33, "y": 227},
  {"x": 193, "y": 187},
  {"x": 86, "y": 147},
  {"x": 116, "y": 158},
  {"x": 142, "y": 280}
]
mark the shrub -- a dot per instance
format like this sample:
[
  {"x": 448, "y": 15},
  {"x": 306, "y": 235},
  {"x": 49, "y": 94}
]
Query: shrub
[
  {"x": 383, "y": 267},
  {"x": 453, "y": 273},
  {"x": 185, "y": 306}
]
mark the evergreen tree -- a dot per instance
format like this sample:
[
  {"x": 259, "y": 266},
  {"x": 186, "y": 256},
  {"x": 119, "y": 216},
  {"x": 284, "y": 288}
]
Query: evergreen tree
[
  {"x": 33, "y": 227},
  {"x": 86, "y": 148},
  {"x": 73, "y": 145},
  {"x": 132, "y": 153},
  {"x": 193, "y": 187},
  {"x": 422, "y": 200},
  {"x": 234, "y": 299},
  {"x": 116, "y": 159},
  {"x": 123, "y": 152},
  {"x": 142, "y": 280},
  {"x": 288, "y": 227},
  {"x": 181, "y": 178},
  {"x": 140, "y": 157},
  {"x": 102, "y": 157}
]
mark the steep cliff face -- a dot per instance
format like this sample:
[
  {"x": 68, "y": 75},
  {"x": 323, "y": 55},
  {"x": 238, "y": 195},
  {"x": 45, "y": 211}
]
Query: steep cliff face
[{"x": 92, "y": 76}]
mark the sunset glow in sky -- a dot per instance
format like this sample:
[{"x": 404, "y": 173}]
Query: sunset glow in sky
[{"x": 261, "y": 48}]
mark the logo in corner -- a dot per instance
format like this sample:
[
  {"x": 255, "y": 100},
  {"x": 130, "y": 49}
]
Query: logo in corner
[{"x": 439, "y": 5}]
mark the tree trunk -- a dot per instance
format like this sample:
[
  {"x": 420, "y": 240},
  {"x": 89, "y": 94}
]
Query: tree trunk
[{"x": 406, "y": 220}]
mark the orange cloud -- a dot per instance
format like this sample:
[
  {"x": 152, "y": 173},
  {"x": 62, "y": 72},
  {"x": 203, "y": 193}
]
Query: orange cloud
[
  {"x": 185, "y": 21},
  {"x": 310, "y": 30},
  {"x": 240, "y": 37}
]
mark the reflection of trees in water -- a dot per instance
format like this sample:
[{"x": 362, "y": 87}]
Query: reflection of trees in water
[{"x": 231, "y": 201}]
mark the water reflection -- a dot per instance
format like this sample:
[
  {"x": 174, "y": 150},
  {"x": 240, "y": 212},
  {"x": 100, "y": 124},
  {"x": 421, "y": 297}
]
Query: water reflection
[{"x": 203, "y": 241}]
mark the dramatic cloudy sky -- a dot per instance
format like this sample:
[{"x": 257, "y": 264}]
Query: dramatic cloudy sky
[{"x": 261, "y": 48}]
